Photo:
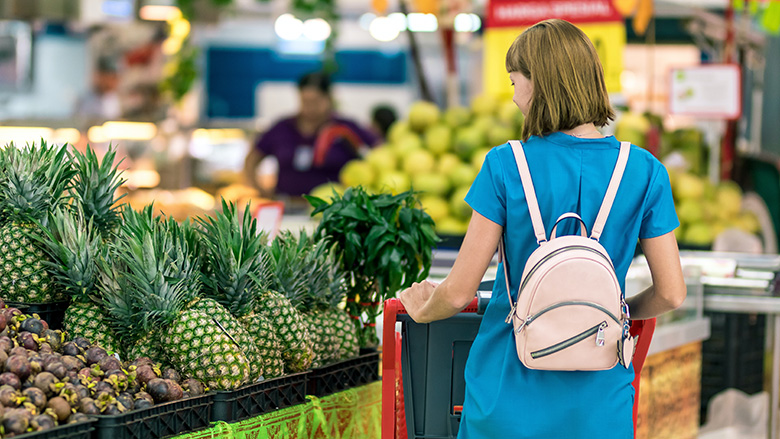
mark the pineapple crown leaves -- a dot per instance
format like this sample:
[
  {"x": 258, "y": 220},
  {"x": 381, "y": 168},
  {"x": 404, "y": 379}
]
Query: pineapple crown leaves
[
  {"x": 95, "y": 186},
  {"x": 153, "y": 279},
  {"x": 73, "y": 246},
  {"x": 303, "y": 270},
  {"x": 236, "y": 267},
  {"x": 35, "y": 180},
  {"x": 384, "y": 238},
  {"x": 117, "y": 297}
]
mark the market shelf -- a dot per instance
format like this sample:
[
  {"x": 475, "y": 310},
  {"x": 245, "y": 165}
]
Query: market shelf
[
  {"x": 79, "y": 430},
  {"x": 259, "y": 398},
  {"x": 343, "y": 375},
  {"x": 158, "y": 421}
]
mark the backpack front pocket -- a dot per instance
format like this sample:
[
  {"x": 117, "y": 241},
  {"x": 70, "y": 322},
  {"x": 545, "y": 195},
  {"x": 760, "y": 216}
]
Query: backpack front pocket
[{"x": 597, "y": 330}]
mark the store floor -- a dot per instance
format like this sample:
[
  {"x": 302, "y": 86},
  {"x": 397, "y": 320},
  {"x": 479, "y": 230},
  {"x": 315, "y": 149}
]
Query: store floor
[{"x": 729, "y": 433}]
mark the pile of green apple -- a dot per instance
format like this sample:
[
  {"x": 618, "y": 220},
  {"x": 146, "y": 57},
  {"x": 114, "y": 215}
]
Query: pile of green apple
[
  {"x": 437, "y": 153},
  {"x": 705, "y": 209}
]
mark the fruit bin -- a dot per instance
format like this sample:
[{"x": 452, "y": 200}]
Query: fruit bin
[
  {"x": 255, "y": 399},
  {"x": 343, "y": 375},
  {"x": 53, "y": 313},
  {"x": 79, "y": 430},
  {"x": 158, "y": 421}
]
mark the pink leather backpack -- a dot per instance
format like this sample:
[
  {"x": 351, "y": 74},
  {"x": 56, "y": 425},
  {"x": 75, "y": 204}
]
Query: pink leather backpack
[{"x": 570, "y": 313}]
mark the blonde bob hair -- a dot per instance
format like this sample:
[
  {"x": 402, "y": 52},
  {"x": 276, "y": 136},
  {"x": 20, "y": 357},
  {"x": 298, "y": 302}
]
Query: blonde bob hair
[{"x": 567, "y": 78}]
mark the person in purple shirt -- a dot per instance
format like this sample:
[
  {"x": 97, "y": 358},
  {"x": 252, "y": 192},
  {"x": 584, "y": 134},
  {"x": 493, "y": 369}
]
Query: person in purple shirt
[{"x": 312, "y": 146}]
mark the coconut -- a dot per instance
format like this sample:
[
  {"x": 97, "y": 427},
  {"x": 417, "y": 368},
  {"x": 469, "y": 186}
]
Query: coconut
[{"x": 61, "y": 408}]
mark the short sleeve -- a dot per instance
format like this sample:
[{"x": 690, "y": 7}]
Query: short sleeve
[
  {"x": 659, "y": 216},
  {"x": 486, "y": 193}
]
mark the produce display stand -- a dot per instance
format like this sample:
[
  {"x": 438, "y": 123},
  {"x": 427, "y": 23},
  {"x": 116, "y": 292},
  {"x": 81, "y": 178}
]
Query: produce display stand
[
  {"x": 255, "y": 399},
  {"x": 157, "y": 421},
  {"x": 424, "y": 398},
  {"x": 79, "y": 430}
]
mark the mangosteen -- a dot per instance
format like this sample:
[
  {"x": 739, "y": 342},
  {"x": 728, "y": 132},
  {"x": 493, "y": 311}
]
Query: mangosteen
[
  {"x": 2, "y": 303},
  {"x": 112, "y": 409},
  {"x": 94, "y": 354},
  {"x": 126, "y": 400},
  {"x": 72, "y": 363},
  {"x": 133, "y": 386},
  {"x": 61, "y": 408},
  {"x": 143, "y": 395},
  {"x": 16, "y": 421},
  {"x": 53, "y": 338},
  {"x": 117, "y": 378},
  {"x": 9, "y": 397},
  {"x": 10, "y": 313},
  {"x": 43, "y": 322},
  {"x": 109, "y": 362},
  {"x": 88, "y": 406},
  {"x": 163, "y": 390},
  {"x": 3, "y": 322},
  {"x": 72, "y": 376},
  {"x": 145, "y": 373},
  {"x": 36, "y": 365},
  {"x": 82, "y": 342},
  {"x": 3, "y": 358},
  {"x": 57, "y": 368},
  {"x": 193, "y": 386},
  {"x": 18, "y": 350},
  {"x": 140, "y": 403},
  {"x": 103, "y": 387},
  {"x": 141, "y": 361},
  {"x": 45, "y": 347},
  {"x": 171, "y": 374},
  {"x": 69, "y": 392},
  {"x": 36, "y": 396},
  {"x": 10, "y": 379},
  {"x": 42, "y": 422},
  {"x": 46, "y": 381},
  {"x": 77, "y": 417},
  {"x": 71, "y": 349},
  {"x": 18, "y": 365},
  {"x": 82, "y": 391},
  {"x": 32, "y": 325},
  {"x": 6, "y": 344}
]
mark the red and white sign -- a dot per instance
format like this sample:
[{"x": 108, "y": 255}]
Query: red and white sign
[{"x": 517, "y": 13}]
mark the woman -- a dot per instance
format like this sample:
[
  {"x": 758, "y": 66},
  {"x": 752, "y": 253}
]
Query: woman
[
  {"x": 312, "y": 146},
  {"x": 559, "y": 87}
]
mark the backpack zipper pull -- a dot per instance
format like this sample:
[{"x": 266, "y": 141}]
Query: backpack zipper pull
[
  {"x": 508, "y": 319},
  {"x": 600, "y": 338}
]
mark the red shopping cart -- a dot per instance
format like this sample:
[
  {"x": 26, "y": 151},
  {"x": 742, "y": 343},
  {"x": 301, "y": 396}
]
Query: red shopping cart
[{"x": 422, "y": 370}]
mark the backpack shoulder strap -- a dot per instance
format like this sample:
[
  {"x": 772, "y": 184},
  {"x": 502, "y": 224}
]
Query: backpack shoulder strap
[
  {"x": 609, "y": 197},
  {"x": 528, "y": 188}
]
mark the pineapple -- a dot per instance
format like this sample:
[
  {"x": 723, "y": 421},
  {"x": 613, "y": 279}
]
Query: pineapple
[
  {"x": 296, "y": 344},
  {"x": 33, "y": 182},
  {"x": 298, "y": 271},
  {"x": 94, "y": 189},
  {"x": 161, "y": 272},
  {"x": 233, "y": 269},
  {"x": 73, "y": 246},
  {"x": 346, "y": 332}
]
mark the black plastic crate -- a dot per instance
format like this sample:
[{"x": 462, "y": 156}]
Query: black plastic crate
[
  {"x": 79, "y": 430},
  {"x": 53, "y": 313},
  {"x": 733, "y": 356},
  {"x": 255, "y": 399},
  {"x": 343, "y": 375},
  {"x": 158, "y": 421}
]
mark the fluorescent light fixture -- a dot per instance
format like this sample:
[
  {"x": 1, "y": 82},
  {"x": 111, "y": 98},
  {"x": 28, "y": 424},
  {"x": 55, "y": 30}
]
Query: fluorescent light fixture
[
  {"x": 383, "y": 29},
  {"x": 418, "y": 22},
  {"x": 23, "y": 135},
  {"x": 110, "y": 131},
  {"x": 117, "y": 8},
  {"x": 316, "y": 29},
  {"x": 159, "y": 12},
  {"x": 66, "y": 135},
  {"x": 287, "y": 27},
  {"x": 467, "y": 22}
]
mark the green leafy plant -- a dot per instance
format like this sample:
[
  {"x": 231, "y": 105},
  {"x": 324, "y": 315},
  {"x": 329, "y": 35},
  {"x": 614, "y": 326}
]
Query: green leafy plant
[{"x": 383, "y": 242}]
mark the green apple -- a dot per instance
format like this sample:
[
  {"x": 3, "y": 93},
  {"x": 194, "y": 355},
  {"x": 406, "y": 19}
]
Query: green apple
[
  {"x": 382, "y": 158},
  {"x": 356, "y": 173},
  {"x": 478, "y": 157},
  {"x": 437, "y": 207},
  {"x": 392, "y": 181},
  {"x": 397, "y": 130},
  {"x": 438, "y": 139},
  {"x": 483, "y": 105},
  {"x": 418, "y": 161},
  {"x": 457, "y": 116},
  {"x": 423, "y": 114},
  {"x": 500, "y": 134},
  {"x": 452, "y": 226},
  {"x": 431, "y": 184},
  {"x": 458, "y": 206},
  {"x": 462, "y": 174}
]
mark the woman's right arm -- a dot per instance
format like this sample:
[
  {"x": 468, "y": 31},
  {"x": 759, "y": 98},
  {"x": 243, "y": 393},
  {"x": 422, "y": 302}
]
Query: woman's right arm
[{"x": 668, "y": 290}]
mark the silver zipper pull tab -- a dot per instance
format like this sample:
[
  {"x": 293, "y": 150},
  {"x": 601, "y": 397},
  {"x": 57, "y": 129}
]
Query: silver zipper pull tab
[
  {"x": 508, "y": 319},
  {"x": 600, "y": 338}
]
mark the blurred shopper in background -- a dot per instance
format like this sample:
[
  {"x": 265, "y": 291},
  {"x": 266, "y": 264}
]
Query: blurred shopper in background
[
  {"x": 382, "y": 116},
  {"x": 559, "y": 86},
  {"x": 312, "y": 146}
]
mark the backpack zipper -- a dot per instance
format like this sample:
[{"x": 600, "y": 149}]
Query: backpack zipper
[
  {"x": 555, "y": 253},
  {"x": 597, "y": 329},
  {"x": 531, "y": 318}
]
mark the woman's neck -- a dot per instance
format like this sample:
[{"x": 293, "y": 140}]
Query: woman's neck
[
  {"x": 310, "y": 127},
  {"x": 584, "y": 131}
]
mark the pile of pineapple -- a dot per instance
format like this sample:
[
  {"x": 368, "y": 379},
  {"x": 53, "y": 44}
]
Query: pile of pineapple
[{"x": 213, "y": 298}]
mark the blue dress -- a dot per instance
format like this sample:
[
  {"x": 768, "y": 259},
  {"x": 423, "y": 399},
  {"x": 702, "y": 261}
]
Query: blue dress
[{"x": 503, "y": 398}]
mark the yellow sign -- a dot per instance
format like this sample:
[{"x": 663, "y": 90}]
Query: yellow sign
[{"x": 608, "y": 38}]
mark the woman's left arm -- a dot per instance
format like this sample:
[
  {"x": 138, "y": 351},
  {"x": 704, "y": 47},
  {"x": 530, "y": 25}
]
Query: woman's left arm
[{"x": 426, "y": 302}]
